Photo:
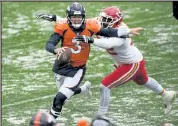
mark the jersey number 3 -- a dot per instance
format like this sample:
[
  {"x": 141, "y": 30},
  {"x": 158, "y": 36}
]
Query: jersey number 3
[{"x": 77, "y": 50}]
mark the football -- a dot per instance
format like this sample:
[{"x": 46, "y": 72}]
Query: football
[{"x": 65, "y": 57}]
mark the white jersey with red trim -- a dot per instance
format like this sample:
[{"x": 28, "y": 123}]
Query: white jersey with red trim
[
  {"x": 126, "y": 53},
  {"x": 121, "y": 50}
]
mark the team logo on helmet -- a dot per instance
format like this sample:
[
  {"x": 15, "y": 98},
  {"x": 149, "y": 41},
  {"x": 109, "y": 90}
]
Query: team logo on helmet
[{"x": 76, "y": 15}]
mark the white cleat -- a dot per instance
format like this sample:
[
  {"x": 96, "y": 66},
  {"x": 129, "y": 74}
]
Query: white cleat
[
  {"x": 88, "y": 88},
  {"x": 168, "y": 100}
]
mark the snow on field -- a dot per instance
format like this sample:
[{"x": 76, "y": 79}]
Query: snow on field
[
  {"x": 16, "y": 26},
  {"x": 163, "y": 34},
  {"x": 32, "y": 58}
]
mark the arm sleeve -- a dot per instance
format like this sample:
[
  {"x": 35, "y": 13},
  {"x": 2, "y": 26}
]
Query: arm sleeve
[
  {"x": 52, "y": 42},
  {"x": 121, "y": 32},
  {"x": 108, "y": 43}
]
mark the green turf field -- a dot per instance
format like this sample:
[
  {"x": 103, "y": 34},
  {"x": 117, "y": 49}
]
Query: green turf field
[{"x": 28, "y": 85}]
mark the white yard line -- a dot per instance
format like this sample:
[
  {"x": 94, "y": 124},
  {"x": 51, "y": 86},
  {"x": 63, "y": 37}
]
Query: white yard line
[
  {"x": 24, "y": 44},
  {"x": 48, "y": 96},
  {"x": 163, "y": 72},
  {"x": 149, "y": 19},
  {"x": 25, "y": 101}
]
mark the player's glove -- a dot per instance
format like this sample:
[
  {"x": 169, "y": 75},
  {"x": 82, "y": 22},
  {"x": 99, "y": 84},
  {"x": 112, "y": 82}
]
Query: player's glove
[
  {"x": 49, "y": 17},
  {"x": 83, "y": 38}
]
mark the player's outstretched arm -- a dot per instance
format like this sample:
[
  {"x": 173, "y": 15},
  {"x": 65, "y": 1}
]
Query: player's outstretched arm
[
  {"x": 105, "y": 43},
  {"x": 136, "y": 31},
  {"x": 121, "y": 32},
  {"x": 48, "y": 17}
]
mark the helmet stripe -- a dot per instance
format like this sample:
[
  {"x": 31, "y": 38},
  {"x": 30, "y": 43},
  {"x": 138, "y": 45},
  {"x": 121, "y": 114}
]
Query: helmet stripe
[{"x": 37, "y": 119}]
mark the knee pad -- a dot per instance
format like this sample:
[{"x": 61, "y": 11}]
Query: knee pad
[
  {"x": 104, "y": 88},
  {"x": 140, "y": 82},
  {"x": 66, "y": 91}
]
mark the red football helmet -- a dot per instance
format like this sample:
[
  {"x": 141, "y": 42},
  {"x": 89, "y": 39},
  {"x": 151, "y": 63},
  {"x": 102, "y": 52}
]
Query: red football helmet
[{"x": 111, "y": 17}]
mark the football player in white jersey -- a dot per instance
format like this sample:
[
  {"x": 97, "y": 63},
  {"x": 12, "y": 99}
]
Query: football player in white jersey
[{"x": 129, "y": 62}]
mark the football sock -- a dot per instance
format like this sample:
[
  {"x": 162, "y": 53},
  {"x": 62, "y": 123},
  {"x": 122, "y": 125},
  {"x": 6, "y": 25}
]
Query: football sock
[
  {"x": 54, "y": 113},
  {"x": 154, "y": 86},
  {"x": 77, "y": 91},
  {"x": 83, "y": 88},
  {"x": 58, "y": 102},
  {"x": 104, "y": 100}
]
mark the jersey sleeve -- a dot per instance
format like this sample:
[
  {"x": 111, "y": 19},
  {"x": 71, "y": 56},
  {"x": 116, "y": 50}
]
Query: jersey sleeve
[
  {"x": 95, "y": 25},
  {"x": 108, "y": 43},
  {"x": 59, "y": 28}
]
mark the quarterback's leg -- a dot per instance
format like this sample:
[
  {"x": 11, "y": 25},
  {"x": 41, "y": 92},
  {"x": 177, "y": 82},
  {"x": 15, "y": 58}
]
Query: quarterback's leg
[
  {"x": 143, "y": 79},
  {"x": 59, "y": 80},
  {"x": 118, "y": 77},
  {"x": 85, "y": 88},
  {"x": 65, "y": 92}
]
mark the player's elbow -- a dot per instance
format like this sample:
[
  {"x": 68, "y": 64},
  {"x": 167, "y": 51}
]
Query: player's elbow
[{"x": 47, "y": 46}]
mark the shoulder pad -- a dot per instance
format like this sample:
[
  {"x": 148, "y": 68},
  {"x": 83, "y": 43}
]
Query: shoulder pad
[
  {"x": 60, "y": 26},
  {"x": 94, "y": 25}
]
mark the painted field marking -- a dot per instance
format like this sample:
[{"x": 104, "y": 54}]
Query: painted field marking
[
  {"x": 23, "y": 44},
  {"x": 48, "y": 96},
  {"x": 149, "y": 19},
  {"x": 163, "y": 72},
  {"x": 25, "y": 101}
]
